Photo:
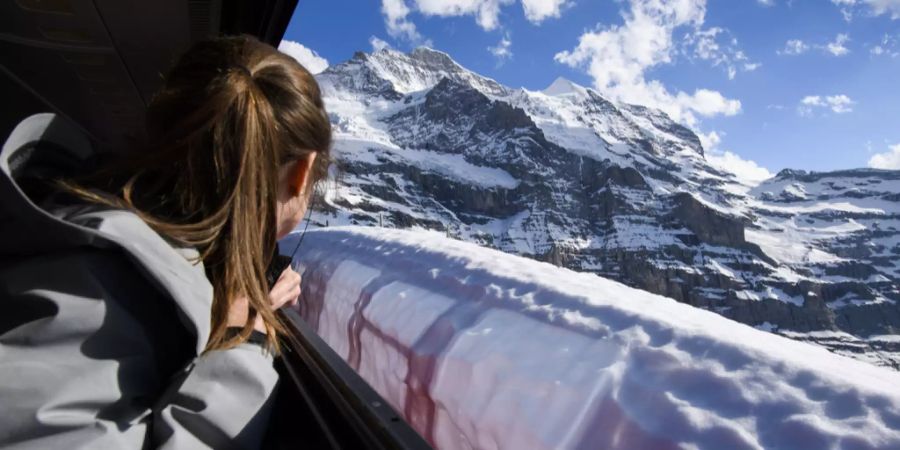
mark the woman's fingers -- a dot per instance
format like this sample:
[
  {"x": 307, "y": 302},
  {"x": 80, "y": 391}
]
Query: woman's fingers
[
  {"x": 295, "y": 296},
  {"x": 288, "y": 271},
  {"x": 286, "y": 289},
  {"x": 289, "y": 298}
]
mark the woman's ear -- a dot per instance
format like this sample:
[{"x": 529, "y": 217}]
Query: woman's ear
[{"x": 300, "y": 174}]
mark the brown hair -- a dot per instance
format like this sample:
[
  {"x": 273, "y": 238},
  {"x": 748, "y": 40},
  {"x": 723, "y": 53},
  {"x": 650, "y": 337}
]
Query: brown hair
[{"x": 231, "y": 112}]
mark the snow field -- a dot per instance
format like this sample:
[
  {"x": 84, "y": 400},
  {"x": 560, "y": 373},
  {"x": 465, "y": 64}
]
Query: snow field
[{"x": 481, "y": 349}]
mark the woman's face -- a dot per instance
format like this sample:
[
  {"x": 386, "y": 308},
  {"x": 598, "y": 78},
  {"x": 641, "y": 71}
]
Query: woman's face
[{"x": 294, "y": 193}]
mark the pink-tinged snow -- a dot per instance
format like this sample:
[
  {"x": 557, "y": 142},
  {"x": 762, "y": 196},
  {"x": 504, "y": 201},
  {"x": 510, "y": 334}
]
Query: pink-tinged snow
[{"x": 482, "y": 349}]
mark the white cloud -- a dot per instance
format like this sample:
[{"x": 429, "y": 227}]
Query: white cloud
[
  {"x": 745, "y": 170},
  {"x": 502, "y": 50},
  {"x": 378, "y": 44},
  {"x": 486, "y": 12},
  {"x": 887, "y": 160},
  {"x": 838, "y": 104},
  {"x": 880, "y": 7},
  {"x": 847, "y": 14},
  {"x": 837, "y": 47},
  {"x": 766, "y": 2},
  {"x": 720, "y": 48},
  {"x": 875, "y": 7},
  {"x": 619, "y": 56},
  {"x": 708, "y": 103},
  {"x": 845, "y": 8},
  {"x": 812, "y": 100},
  {"x": 395, "y": 13},
  {"x": 886, "y": 47},
  {"x": 538, "y": 10},
  {"x": 794, "y": 47},
  {"x": 306, "y": 57},
  {"x": 710, "y": 141}
]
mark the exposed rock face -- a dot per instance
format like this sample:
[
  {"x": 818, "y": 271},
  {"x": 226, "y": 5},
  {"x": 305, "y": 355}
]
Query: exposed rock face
[
  {"x": 709, "y": 225},
  {"x": 568, "y": 177}
]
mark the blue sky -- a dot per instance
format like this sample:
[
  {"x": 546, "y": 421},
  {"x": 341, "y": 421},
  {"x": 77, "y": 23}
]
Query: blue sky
[{"x": 809, "y": 84}]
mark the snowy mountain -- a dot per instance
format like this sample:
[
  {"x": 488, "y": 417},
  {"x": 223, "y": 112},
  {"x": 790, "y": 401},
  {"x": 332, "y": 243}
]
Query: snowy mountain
[{"x": 565, "y": 176}]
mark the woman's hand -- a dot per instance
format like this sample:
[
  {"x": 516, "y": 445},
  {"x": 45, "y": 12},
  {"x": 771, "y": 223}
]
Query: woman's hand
[{"x": 286, "y": 291}]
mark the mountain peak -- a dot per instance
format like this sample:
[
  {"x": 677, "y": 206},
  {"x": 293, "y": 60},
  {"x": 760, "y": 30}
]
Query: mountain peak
[
  {"x": 422, "y": 52},
  {"x": 563, "y": 86},
  {"x": 434, "y": 59},
  {"x": 422, "y": 68}
]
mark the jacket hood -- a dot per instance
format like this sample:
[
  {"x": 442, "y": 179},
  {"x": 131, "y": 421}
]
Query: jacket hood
[{"x": 44, "y": 147}]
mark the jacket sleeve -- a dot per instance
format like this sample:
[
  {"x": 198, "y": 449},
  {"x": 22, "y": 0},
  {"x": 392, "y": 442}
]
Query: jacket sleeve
[
  {"x": 223, "y": 400},
  {"x": 89, "y": 359}
]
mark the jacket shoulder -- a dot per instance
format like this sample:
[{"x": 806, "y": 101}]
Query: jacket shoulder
[{"x": 177, "y": 272}]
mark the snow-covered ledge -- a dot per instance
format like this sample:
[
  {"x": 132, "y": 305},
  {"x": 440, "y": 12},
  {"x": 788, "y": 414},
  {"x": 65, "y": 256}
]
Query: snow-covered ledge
[{"x": 480, "y": 349}]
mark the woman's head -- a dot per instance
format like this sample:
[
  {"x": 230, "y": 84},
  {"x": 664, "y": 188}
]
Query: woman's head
[
  {"x": 238, "y": 138},
  {"x": 244, "y": 113}
]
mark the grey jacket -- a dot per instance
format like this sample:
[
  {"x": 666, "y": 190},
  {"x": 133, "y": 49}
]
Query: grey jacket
[{"x": 102, "y": 324}]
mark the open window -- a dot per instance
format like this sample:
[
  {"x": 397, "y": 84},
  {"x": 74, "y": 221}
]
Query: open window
[{"x": 97, "y": 63}]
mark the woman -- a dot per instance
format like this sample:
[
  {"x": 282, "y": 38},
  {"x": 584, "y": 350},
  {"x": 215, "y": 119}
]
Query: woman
[{"x": 136, "y": 310}]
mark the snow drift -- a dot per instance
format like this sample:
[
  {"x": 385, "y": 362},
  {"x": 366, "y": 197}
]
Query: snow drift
[{"x": 481, "y": 349}]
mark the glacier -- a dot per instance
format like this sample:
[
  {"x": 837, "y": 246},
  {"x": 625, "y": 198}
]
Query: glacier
[{"x": 483, "y": 349}]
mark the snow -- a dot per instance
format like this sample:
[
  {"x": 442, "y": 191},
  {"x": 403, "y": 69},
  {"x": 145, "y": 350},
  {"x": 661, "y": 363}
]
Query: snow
[
  {"x": 836, "y": 192},
  {"x": 451, "y": 165},
  {"x": 562, "y": 86},
  {"x": 769, "y": 292},
  {"x": 630, "y": 233},
  {"x": 360, "y": 135},
  {"x": 561, "y": 118},
  {"x": 788, "y": 247},
  {"x": 481, "y": 349},
  {"x": 718, "y": 267},
  {"x": 307, "y": 57},
  {"x": 822, "y": 334},
  {"x": 423, "y": 68},
  {"x": 869, "y": 206},
  {"x": 806, "y": 224}
]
